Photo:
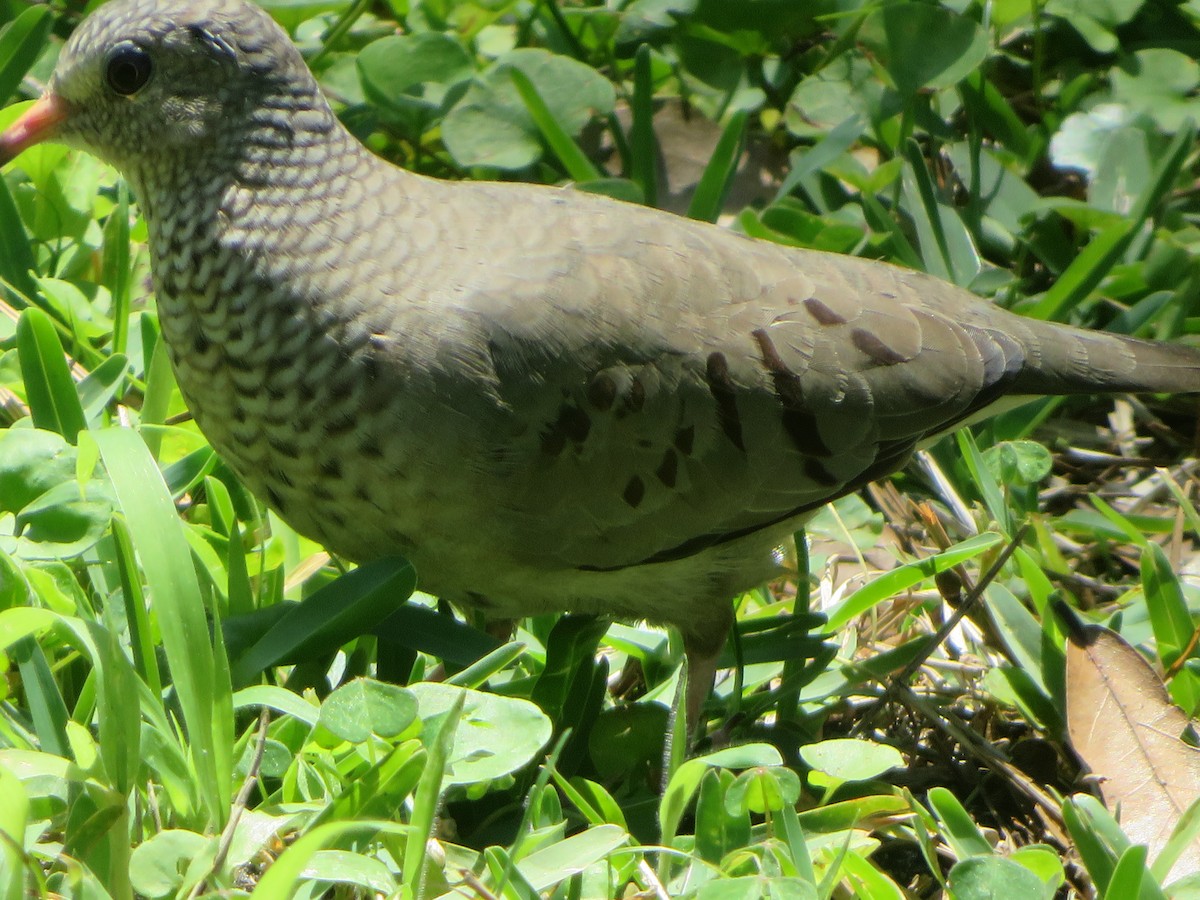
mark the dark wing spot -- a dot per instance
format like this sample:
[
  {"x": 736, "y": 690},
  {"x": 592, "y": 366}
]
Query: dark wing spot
[
  {"x": 801, "y": 427},
  {"x": 331, "y": 468},
  {"x": 668, "y": 469},
  {"x": 889, "y": 457},
  {"x": 798, "y": 421},
  {"x": 572, "y": 424},
  {"x": 720, "y": 385},
  {"x": 575, "y": 423},
  {"x": 787, "y": 382},
  {"x": 874, "y": 348},
  {"x": 635, "y": 490},
  {"x": 602, "y": 391},
  {"x": 822, "y": 313},
  {"x": 815, "y": 469},
  {"x": 200, "y": 343},
  {"x": 274, "y": 499},
  {"x": 685, "y": 439},
  {"x": 636, "y": 398},
  {"x": 370, "y": 447}
]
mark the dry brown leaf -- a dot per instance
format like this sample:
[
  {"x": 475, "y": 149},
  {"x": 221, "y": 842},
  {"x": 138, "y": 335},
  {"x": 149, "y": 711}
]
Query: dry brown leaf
[{"x": 1126, "y": 730}]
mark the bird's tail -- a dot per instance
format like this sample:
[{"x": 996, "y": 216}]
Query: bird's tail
[{"x": 1065, "y": 360}]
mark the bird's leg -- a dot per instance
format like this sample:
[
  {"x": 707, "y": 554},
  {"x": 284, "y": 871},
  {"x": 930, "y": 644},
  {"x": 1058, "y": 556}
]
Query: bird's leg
[
  {"x": 701, "y": 674},
  {"x": 501, "y": 629},
  {"x": 703, "y": 650}
]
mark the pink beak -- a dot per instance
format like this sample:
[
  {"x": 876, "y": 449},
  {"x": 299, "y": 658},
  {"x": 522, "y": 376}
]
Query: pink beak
[{"x": 36, "y": 124}]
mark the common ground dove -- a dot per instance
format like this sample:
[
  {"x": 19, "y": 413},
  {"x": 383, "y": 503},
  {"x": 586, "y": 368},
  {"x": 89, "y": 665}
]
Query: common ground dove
[{"x": 547, "y": 400}]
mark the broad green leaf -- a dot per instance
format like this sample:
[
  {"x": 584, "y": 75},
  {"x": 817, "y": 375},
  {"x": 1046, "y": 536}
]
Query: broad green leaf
[
  {"x": 495, "y": 735},
  {"x": 994, "y": 877},
  {"x": 851, "y": 759},
  {"x": 899, "y": 34},
  {"x": 158, "y": 867},
  {"x": 491, "y": 125},
  {"x": 357, "y": 710}
]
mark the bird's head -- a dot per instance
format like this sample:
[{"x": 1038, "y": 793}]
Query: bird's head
[{"x": 140, "y": 77}]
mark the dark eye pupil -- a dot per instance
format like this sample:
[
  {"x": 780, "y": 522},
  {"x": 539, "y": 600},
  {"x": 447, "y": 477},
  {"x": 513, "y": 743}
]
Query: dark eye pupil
[{"x": 128, "y": 70}]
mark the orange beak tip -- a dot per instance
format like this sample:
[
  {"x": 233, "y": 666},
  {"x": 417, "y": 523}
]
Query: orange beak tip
[{"x": 36, "y": 123}]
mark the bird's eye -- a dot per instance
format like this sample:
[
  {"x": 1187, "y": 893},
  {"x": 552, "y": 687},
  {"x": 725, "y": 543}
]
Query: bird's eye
[{"x": 128, "y": 69}]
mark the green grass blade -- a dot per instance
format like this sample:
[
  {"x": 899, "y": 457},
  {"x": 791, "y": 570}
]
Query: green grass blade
[
  {"x": 120, "y": 720},
  {"x": 136, "y": 614},
  {"x": 101, "y": 385},
  {"x": 994, "y": 113},
  {"x": 882, "y": 222},
  {"x": 643, "y": 147},
  {"x": 178, "y": 605},
  {"x": 578, "y": 166},
  {"x": 16, "y": 255},
  {"x": 160, "y": 383},
  {"x": 428, "y": 797},
  {"x": 348, "y": 607},
  {"x": 906, "y": 576},
  {"x": 53, "y": 400},
  {"x": 1130, "y": 876},
  {"x": 115, "y": 268},
  {"x": 20, "y": 45},
  {"x": 714, "y": 184},
  {"x": 1166, "y": 604},
  {"x": 985, "y": 482},
  {"x": 923, "y": 207},
  {"x": 821, "y": 154},
  {"x": 946, "y": 246},
  {"x": 14, "y": 818},
  {"x": 477, "y": 673},
  {"x": 43, "y": 698},
  {"x": 285, "y": 875},
  {"x": 1096, "y": 260},
  {"x": 1086, "y": 272},
  {"x": 960, "y": 829}
]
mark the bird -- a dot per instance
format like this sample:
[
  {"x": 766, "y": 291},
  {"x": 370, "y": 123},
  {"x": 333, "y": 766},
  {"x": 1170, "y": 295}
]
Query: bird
[{"x": 547, "y": 400}]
